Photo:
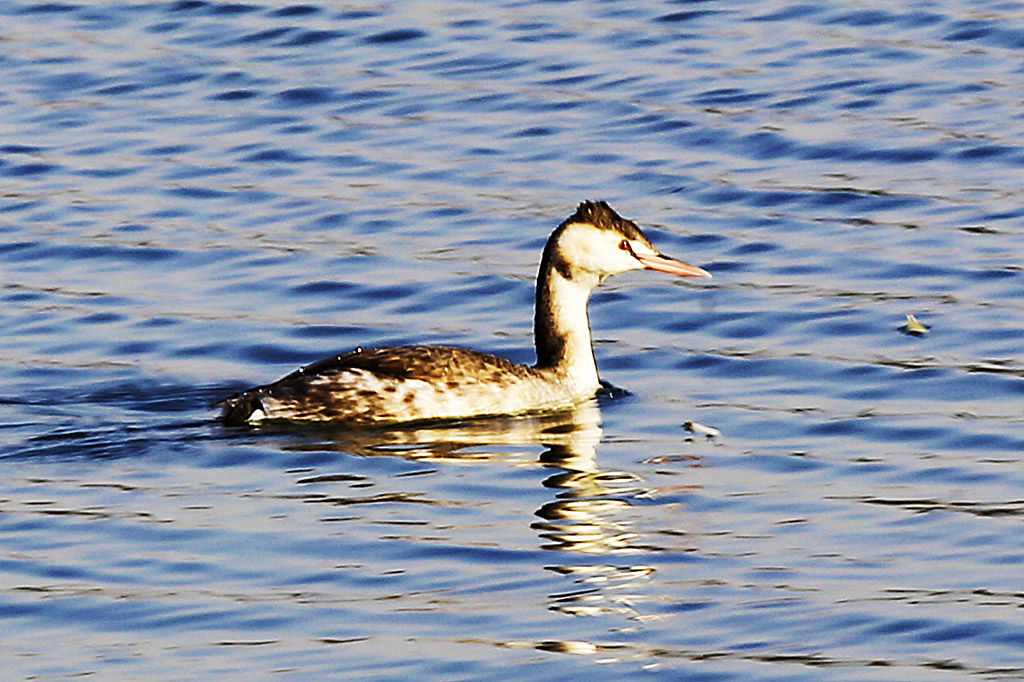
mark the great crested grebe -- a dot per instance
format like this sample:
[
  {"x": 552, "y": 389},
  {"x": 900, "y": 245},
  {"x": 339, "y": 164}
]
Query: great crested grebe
[{"x": 414, "y": 383}]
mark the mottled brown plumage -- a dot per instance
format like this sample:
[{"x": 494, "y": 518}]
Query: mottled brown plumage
[
  {"x": 380, "y": 385},
  {"x": 414, "y": 383}
]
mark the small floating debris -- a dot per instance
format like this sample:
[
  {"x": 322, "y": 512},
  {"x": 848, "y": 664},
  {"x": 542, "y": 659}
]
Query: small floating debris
[
  {"x": 913, "y": 327},
  {"x": 665, "y": 459},
  {"x": 707, "y": 431}
]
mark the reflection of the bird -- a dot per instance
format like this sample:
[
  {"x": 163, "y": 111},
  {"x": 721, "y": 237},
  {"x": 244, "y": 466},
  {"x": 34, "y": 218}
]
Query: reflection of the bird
[
  {"x": 581, "y": 518},
  {"x": 584, "y": 519},
  {"x": 575, "y": 432}
]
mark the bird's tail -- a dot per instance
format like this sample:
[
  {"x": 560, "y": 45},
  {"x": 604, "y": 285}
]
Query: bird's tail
[{"x": 238, "y": 409}]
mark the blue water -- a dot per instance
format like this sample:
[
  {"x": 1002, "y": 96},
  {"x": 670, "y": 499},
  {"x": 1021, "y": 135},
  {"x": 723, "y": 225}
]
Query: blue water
[{"x": 201, "y": 196}]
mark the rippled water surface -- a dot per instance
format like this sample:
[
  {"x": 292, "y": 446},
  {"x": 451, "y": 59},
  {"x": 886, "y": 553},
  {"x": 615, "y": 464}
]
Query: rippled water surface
[{"x": 201, "y": 196}]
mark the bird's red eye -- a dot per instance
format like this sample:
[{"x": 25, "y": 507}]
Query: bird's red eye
[{"x": 624, "y": 245}]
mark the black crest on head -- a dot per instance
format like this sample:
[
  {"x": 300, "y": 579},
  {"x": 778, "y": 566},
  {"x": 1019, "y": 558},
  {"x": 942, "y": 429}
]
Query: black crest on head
[{"x": 601, "y": 215}]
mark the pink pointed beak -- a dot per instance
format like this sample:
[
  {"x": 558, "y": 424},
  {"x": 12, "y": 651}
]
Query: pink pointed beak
[{"x": 671, "y": 266}]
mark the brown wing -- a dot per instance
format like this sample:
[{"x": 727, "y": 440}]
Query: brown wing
[
  {"x": 312, "y": 392},
  {"x": 427, "y": 363}
]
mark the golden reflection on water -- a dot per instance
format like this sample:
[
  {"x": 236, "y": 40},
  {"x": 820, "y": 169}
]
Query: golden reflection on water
[
  {"x": 588, "y": 517},
  {"x": 573, "y": 434},
  {"x": 584, "y": 517}
]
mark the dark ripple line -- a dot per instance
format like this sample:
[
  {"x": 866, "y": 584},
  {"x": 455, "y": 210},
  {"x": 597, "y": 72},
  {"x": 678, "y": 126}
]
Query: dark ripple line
[
  {"x": 686, "y": 16},
  {"x": 313, "y": 37},
  {"x": 20, "y": 149},
  {"x": 986, "y": 32},
  {"x": 210, "y": 7},
  {"x": 50, "y": 8},
  {"x": 40, "y": 250},
  {"x": 233, "y": 95},
  {"x": 773, "y": 145},
  {"x": 480, "y": 64},
  {"x": 401, "y": 35},
  {"x": 296, "y": 11},
  {"x": 796, "y": 11},
  {"x": 261, "y": 36},
  {"x": 28, "y": 169},
  {"x": 307, "y": 96},
  {"x": 924, "y": 505}
]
